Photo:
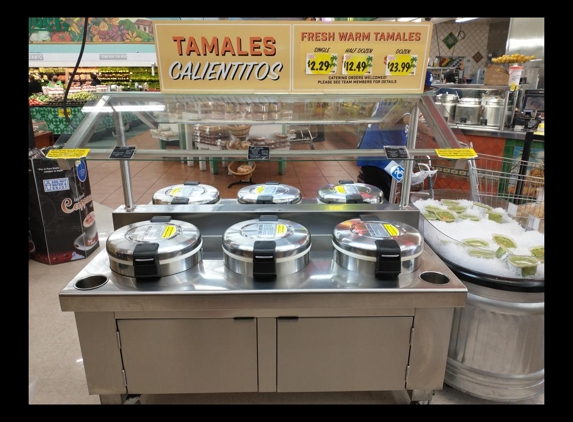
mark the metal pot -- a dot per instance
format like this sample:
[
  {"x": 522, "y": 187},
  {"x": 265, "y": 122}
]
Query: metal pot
[
  {"x": 493, "y": 111},
  {"x": 371, "y": 246},
  {"x": 468, "y": 111},
  {"x": 190, "y": 192},
  {"x": 446, "y": 104},
  {"x": 348, "y": 192},
  {"x": 155, "y": 248},
  {"x": 269, "y": 193},
  {"x": 266, "y": 247}
]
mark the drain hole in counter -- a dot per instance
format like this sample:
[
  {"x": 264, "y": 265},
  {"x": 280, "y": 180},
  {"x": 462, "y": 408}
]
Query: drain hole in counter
[
  {"x": 92, "y": 282},
  {"x": 434, "y": 277}
]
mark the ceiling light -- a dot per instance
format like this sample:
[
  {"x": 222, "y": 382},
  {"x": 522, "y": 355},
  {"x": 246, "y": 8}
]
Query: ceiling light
[
  {"x": 405, "y": 19},
  {"x": 460, "y": 20}
]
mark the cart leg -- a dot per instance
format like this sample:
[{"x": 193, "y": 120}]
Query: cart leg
[{"x": 420, "y": 396}]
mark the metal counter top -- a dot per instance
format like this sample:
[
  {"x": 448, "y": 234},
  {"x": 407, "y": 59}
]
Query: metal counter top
[
  {"x": 210, "y": 285},
  {"x": 493, "y": 132}
]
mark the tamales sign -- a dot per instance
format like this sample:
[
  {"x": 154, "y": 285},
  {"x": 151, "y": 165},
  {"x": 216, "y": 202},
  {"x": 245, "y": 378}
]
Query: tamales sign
[{"x": 280, "y": 56}]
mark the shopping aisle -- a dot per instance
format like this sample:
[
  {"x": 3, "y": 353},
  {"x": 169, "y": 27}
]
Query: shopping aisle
[{"x": 56, "y": 372}]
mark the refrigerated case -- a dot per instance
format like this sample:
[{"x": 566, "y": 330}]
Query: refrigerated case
[{"x": 209, "y": 329}]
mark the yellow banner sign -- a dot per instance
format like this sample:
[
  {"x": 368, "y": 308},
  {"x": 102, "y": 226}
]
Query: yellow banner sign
[
  {"x": 270, "y": 56},
  {"x": 70, "y": 153},
  {"x": 456, "y": 153}
]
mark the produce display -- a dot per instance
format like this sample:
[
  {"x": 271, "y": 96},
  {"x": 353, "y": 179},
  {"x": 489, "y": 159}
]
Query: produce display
[
  {"x": 479, "y": 237},
  {"x": 74, "y": 99}
]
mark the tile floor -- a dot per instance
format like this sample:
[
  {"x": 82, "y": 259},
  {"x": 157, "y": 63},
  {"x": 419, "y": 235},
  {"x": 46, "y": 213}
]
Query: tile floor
[{"x": 56, "y": 373}]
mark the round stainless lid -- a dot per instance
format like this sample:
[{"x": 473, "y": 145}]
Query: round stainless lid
[
  {"x": 269, "y": 193},
  {"x": 187, "y": 193},
  {"x": 345, "y": 193},
  {"x": 291, "y": 238},
  {"x": 359, "y": 237},
  {"x": 176, "y": 239}
]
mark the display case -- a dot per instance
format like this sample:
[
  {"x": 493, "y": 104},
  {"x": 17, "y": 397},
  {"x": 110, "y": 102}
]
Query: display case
[{"x": 322, "y": 319}]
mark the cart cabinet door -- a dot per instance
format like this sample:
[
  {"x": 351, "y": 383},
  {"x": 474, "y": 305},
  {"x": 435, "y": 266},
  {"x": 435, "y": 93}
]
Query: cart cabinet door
[
  {"x": 342, "y": 354},
  {"x": 189, "y": 355}
]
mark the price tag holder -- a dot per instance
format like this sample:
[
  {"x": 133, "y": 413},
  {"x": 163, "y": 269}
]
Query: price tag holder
[
  {"x": 457, "y": 153},
  {"x": 396, "y": 152},
  {"x": 258, "y": 153},
  {"x": 122, "y": 152},
  {"x": 401, "y": 64},
  {"x": 321, "y": 63},
  {"x": 357, "y": 64}
]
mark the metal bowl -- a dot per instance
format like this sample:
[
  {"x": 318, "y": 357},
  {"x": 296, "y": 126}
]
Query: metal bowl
[
  {"x": 371, "y": 246},
  {"x": 155, "y": 248},
  {"x": 266, "y": 247}
]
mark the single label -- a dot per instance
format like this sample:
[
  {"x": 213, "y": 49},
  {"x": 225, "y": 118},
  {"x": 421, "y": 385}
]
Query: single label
[
  {"x": 281, "y": 230},
  {"x": 392, "y": 230},
  {"x": 357, "y": 64},
  {"x": 266, "y": 190},
  {"x": 401, "y": 64},
  {"x": 456, "y": 153},
  {"x": 122, "y": 152},
  {"x": 346, "y": 189},
  {"x": 168, "y": 232},
  {"x": 376, "y": 230},
  {"x": 393, "y": 151},
  {"x": 68, "y": 153},
  {"x": 258, "y": 153},
  {"x": 184, "y": 192},
  {"x": 54, "y": 185},
  {"x": 321, "y": 63},
  {"x": 266, "y": 230}
]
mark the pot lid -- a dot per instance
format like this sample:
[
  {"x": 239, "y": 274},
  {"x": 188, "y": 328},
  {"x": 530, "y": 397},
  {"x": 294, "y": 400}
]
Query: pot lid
[
  {"x": 359, "y": 236},
  {"x": 190, "y": 192},
  {"x": 469, "y": 101},
  {"x": 494, "y": 101},
  {"x": 348, "y": 192},
  {"x": 447, "y": 98},
  {"x": 175, "y": 239},
  {"x": 269, "y": 193},
  {"x": 291, "y": 239}
]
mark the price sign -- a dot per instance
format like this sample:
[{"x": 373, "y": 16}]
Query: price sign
[
  {"x": 68, "y": 153},
  {"x": 61, "y": 112},
  {"x": 357, "y": 64},
  {"x": 401, "y": 64},
  {"x": 321, "y": 63},
  {"x": 122, "y": 152},
  {"x": 258, "y": 153},
  {"x": 456, "y": 153}
]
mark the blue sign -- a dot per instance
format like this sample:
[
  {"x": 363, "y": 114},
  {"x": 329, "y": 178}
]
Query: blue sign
[
  {"x": 398, "y": 173},
  {"x": 82, "y": 170}
]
